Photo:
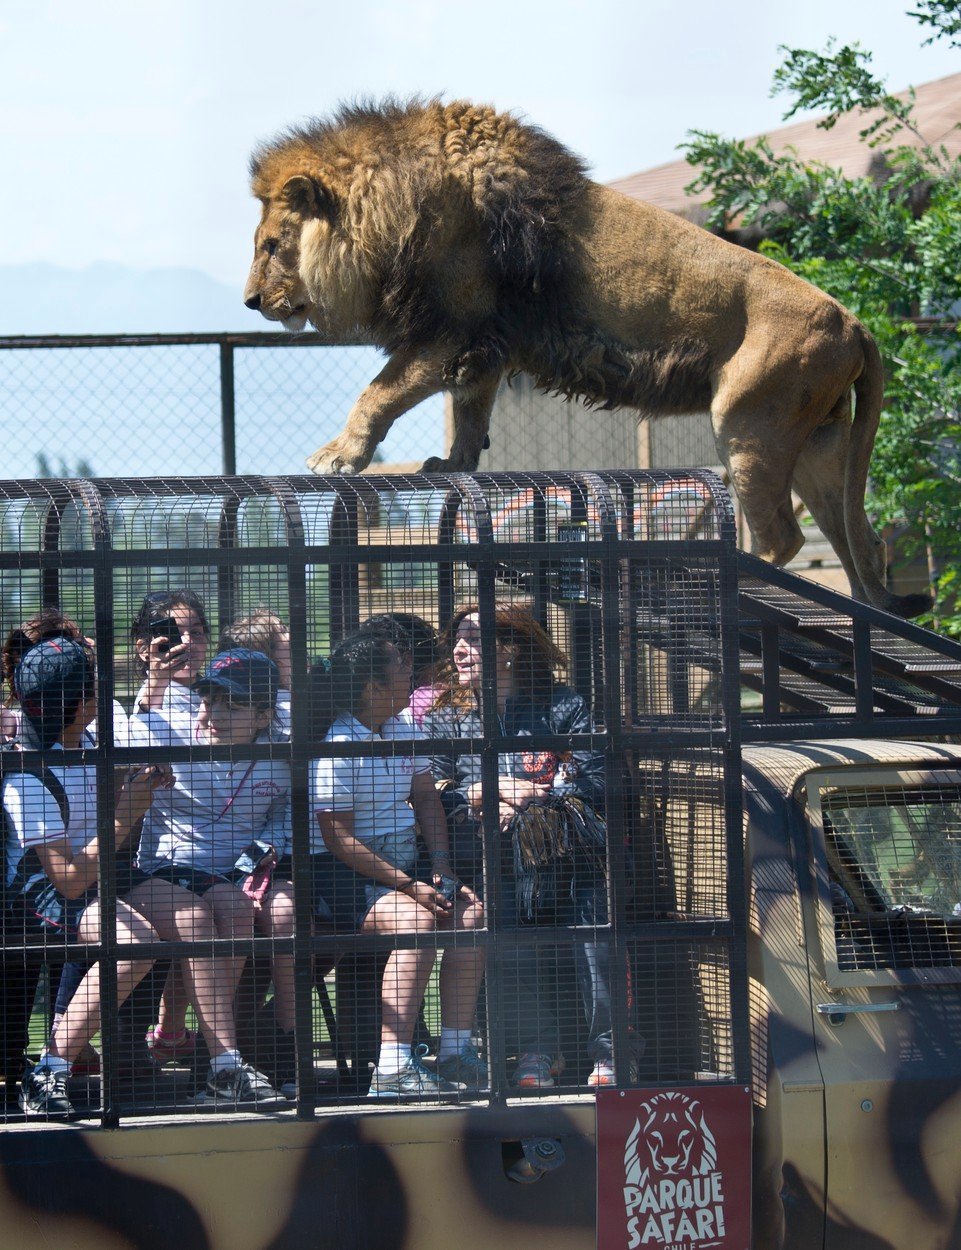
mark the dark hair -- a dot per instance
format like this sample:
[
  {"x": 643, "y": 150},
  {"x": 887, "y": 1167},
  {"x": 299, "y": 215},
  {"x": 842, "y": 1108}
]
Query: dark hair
[
  {"x": 159, "y": 603},
  {"x": 49, "y": 623},
  {"x": 410, "y": 634},
  {"x": 337, "y": 685},
  {"x": 57, "y": 696},
  {"x": 538, "y": 662}
]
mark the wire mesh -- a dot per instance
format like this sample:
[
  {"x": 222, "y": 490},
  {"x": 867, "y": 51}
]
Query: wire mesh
[
  {"x": 894, "y": 860},
  {"x": 415, "y": 790}
]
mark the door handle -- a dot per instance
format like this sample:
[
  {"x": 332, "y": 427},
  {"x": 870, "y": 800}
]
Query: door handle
[{"x": 837, "y": 1013}]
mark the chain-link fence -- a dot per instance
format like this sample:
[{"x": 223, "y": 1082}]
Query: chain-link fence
[{"x": 188, "y": 404}]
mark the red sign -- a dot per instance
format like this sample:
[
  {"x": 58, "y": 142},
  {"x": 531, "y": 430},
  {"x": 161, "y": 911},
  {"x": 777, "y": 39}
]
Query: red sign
[{"x": 674, "y": 1168}]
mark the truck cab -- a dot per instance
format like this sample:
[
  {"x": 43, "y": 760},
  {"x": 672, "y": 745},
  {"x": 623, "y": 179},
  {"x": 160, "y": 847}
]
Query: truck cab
[{"x": 854, "y": 867}]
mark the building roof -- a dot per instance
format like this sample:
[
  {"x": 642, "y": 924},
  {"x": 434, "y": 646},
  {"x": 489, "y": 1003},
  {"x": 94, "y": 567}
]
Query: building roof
[{"x": 937, "y": 112}]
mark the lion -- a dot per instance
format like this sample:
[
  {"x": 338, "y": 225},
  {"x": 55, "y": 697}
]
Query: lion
[{"x": 470, "y": 246}]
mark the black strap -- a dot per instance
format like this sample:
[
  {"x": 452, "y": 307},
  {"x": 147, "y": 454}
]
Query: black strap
[{"x": 9, "y": 765}]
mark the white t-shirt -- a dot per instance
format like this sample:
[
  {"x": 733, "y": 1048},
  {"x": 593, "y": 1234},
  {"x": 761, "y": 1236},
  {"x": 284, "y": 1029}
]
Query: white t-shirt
[
  {"x": 119, "y": 726},
  {"x": 33, "y": 814},
  {"x": 403, "y": 727},
  {"x": 375, "y": 789},
  {"x": 215, "y": 808}
]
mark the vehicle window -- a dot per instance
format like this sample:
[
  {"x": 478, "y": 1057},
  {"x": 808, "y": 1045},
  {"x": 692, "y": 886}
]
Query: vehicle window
[{"x": 897, "y": 851}]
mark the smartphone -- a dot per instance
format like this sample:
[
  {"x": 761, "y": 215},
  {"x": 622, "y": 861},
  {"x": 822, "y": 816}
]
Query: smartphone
[
  {"x": 168, "y": 628},
  {"x": 448, "y": 888},
  {"x": 252, "y": 856}
]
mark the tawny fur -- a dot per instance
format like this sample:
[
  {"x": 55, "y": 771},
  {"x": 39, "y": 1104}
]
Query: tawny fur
[{"x": 470, "y": 245}]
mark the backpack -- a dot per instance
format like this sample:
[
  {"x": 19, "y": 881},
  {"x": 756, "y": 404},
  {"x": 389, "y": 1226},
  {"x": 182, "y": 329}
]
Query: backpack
[{"x": 30, "y": 866}]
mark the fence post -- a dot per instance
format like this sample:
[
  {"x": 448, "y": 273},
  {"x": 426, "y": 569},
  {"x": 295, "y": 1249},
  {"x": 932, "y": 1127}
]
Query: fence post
[{"x": 228, "y": 428}]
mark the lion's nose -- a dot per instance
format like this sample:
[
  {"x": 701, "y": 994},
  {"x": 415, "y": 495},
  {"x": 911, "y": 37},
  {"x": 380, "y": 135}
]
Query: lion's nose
[{"x": 253, "y": 302}]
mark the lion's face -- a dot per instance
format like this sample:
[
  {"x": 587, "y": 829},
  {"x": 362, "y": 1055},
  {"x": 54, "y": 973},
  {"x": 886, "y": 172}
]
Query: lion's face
[
  {"x": 673, "y": 1128},
  {"x": 275, "y": 288},
  {"x": 307, "y": 264}
]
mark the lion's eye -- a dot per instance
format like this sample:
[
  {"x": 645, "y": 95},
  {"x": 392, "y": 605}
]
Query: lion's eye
[{"x": 270, "y": 246}]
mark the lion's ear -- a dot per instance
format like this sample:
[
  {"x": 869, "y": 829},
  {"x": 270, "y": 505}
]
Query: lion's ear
[{"x": 306, "y": 196}]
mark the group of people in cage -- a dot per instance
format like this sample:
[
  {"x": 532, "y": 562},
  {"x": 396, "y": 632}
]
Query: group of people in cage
[{"x": 396, "y": 841}]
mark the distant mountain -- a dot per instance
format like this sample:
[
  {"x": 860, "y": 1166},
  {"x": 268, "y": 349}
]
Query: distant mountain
[{"x": 106, "y": 298}]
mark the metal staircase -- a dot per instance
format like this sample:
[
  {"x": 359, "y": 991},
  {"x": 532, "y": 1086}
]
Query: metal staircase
[{"x": 827, "y": 665}]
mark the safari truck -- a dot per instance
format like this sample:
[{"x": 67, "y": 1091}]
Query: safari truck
[{"x": 780, "y": 946}]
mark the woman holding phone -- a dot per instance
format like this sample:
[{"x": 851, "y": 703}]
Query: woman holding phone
[{"x": 193, "y": 844}]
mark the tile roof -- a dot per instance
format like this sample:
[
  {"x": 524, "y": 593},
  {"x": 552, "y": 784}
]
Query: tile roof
[{"x": 937, "y": 112}]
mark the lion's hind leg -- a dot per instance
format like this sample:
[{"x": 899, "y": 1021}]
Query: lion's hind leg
[
  {"x": 819, "y": 480},
  {"x": 760, "y": 468}
]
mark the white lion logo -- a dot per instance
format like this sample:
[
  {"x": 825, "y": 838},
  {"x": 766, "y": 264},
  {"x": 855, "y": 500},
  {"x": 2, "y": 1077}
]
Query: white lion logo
[{"x": 674, "y": 1131}]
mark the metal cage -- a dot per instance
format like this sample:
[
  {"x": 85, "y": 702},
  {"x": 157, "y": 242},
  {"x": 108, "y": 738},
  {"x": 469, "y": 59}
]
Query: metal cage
[{"x": 633, "y": 575}]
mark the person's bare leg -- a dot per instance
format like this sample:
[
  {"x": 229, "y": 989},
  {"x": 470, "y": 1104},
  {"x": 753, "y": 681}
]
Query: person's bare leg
[
  {"x": 180, "y": 916},
  {"x": 407, "y": 972},
  {"x": 233, "y": 918},
  {"x": 81, "y": 1020},
  {"x": 276, "y": 919},
  {"x": 172, "y": 1015},
  {"x": 462, "y": 970}
]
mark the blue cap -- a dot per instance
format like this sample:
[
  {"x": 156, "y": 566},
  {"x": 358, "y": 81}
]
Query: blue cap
[
  {"x": 243, "y": 674},
  {"x": 52, "y": 677}
]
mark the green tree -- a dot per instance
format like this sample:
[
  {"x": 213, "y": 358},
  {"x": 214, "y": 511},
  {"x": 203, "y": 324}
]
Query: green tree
[
  {"x": 887, "y": 246},
  {"x": 44, "y": 468}
]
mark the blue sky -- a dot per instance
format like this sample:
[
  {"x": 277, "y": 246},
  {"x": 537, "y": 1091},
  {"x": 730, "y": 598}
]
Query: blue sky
[{"x": 126, "y": 127}]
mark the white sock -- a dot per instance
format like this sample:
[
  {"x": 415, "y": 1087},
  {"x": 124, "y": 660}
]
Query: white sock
[
  {"x": 452, "y": 1041},
  {"x": 54, "y": 1062},
  {"x": 392, "y": 1058},
  {"x": 229, "y": 1059}
]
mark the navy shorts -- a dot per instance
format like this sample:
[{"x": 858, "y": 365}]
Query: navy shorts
[
  {"x": 193, "y": 879},
  {"x": 339, "y": 893}
]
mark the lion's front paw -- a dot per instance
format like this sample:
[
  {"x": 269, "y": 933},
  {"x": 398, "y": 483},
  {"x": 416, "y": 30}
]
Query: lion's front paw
[
  {"x": 456, "y": 462},
  {"x": 338, "y": 457}
]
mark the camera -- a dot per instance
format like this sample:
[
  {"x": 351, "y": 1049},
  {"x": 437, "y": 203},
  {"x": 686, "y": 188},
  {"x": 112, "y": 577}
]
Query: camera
[
  {"x": 448, "y": 888},
  {"x": 166, "y": 627}
]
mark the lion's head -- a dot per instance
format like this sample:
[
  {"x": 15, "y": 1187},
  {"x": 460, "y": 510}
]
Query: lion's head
[
  {"x": 676, "y": 1136},
  {"x": 327, "y": 204}
]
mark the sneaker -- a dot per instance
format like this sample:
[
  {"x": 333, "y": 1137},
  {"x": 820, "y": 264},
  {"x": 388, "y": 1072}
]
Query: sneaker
[
  {"x": 535, "y": 1071},
  {"x": 43, "y": 1091},
  {"x": 465, "y": 1068},
  {"x": 603, "y": 1074},
  {"x": 412, "y": 1081},
  {"x": 243, "y": 1085},
  {"x": 170, "y": 1049}
]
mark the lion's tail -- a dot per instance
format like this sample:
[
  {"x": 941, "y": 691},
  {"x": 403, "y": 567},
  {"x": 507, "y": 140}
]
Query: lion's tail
[{"x": 868, "y": 398}]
